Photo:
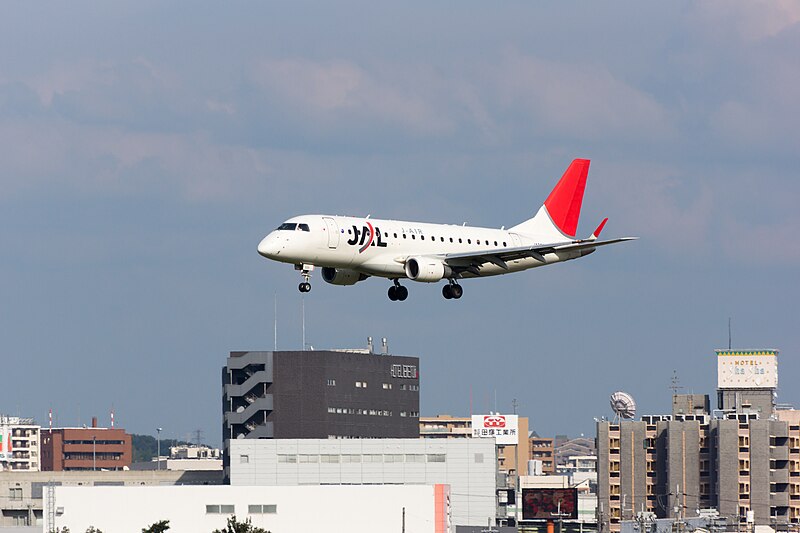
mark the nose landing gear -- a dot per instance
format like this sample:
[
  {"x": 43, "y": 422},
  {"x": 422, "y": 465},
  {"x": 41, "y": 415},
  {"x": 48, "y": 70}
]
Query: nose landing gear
[
  {"x": 397, "y": 292},
  {"x": 305, "y": 271},
  {"x": 452, "y": 291}
]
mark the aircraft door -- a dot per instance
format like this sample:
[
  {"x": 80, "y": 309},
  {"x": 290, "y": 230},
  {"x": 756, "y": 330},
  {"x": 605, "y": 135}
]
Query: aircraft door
[
  {"x": 515, "y": 240},
  {"x": 333, "y": 232}
]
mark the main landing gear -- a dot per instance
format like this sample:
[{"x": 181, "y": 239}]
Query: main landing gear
[
  {"x": 452, "y": 291},
  {"x": 305, "y": 271},
  {"x": 397, "y": 292}
]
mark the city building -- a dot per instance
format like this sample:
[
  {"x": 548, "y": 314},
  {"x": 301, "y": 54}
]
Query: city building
[
  {"x": 542, "y": 449},
  {"x": 742, "y": 459},
  {"x": 566, "y": 448},
  {"x": 91, "y": 448},
  {"x": 320, "y": 394},
  {"x": 351, "y": 509},
  {"x": 185, "y": 457},
  {"x": 22, "y": 493},
  {"x": 19, "y": 444},
  {"x": 468, "y": 466},
  {"x": 512, "y": 449}
]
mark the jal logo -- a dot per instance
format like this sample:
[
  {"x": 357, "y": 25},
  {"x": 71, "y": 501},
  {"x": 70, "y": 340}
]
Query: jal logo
[
  {"x": 494, "y": 421},
  {"x": 365, "y": 237}
]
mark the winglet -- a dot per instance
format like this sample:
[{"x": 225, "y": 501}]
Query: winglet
[
  {"x": 596, "y": 233},
  {"x": 564, "y": 202}
]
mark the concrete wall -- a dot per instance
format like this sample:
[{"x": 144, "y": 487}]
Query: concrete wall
[
  {"x": 469, "y": 467},
  {"x": 633, "y": 465},
  {"x": 351, "y": 509},
  {"x": 33, "y": 486},
  {"x": 727, "y": 471},
  {"x": 683, "y": 466}
]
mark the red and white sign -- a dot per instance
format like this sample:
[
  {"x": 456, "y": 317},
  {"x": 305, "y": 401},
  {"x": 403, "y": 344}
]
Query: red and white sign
[{"x": 502, "y": 428}]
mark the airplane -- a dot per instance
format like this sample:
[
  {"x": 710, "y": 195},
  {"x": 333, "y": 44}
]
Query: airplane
[{"x": 352, "y": 249}]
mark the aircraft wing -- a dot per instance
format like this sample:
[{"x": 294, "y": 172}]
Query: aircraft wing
[{"x": 472, "y": 261}]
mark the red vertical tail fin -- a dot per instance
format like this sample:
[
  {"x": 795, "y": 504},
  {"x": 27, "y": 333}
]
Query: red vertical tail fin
[
  {"x": 558, "y": 217},
  {"x": 564, "y": 203}
]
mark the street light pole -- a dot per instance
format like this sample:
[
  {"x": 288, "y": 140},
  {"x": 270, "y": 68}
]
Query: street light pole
[{"x": 158, "y": 445}]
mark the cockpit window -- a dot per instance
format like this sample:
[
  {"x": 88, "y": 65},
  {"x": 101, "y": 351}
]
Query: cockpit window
[
  {"x": 291, "y": 226},
  {"x": 303, "y": 227}
]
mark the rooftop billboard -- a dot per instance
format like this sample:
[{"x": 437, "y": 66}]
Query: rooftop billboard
[{"x": 549, "y": 504}]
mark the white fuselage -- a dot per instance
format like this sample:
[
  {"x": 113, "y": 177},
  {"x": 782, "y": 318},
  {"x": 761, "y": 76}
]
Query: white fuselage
[{"x": 380, "y": 247}]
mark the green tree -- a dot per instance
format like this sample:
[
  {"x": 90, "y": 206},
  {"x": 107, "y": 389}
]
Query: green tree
[
  {"x": 158, "y": 527},
  {"x": 234, "y": 526},
  {"x": 93, "y": 529}
]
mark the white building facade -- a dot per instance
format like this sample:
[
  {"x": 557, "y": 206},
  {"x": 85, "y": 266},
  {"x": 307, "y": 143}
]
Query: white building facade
[
  {"x": 468, "y": 466},
  {"x": 193, "y": 509},
  {"x": 19, "y": 444}
]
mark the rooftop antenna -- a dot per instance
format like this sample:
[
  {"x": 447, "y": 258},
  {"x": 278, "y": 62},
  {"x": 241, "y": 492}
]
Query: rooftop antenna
[
  {"x": 675, "y": 383},
  {"x": 729, "y": 333},
  {"x": 623, "y": 405}
]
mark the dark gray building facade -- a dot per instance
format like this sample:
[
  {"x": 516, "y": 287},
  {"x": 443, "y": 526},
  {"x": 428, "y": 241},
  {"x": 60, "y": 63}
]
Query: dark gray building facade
[{"x": 319, "y": 394}]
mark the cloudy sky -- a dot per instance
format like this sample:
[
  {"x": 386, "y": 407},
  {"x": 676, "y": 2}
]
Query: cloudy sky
[{"x": 146, "y": 147}]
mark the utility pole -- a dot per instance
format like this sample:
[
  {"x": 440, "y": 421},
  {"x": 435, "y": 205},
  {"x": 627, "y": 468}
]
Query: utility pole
[{"x": 560, "y": 516}]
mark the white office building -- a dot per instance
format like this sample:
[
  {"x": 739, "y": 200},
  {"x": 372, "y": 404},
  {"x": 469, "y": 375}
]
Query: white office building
[
  {"x": 19, "y": 444},
  {"x": 193, "y": 509},
  {"x": 468, "y": 466}
]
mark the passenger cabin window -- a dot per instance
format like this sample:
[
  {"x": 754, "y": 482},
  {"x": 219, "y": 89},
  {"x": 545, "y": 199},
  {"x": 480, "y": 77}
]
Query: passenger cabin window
[
  {"x": 469, "y": 241},
  {"x": 303, "y": 227},
  {"x": 290, "y": 226}
]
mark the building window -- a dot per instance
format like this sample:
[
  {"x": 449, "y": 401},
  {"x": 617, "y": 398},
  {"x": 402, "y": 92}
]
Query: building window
[
  {"x": 373, "y": 458},
  {"x": 393, "y": 458},
  {"x": 220, "y": 509},
  {"x": 15, "y": 493},
  {"x": 244, "y": 459},
  {"x": 414, "y": 414},
  {"x": 403, "y": 414},
  {"x": 328, "y": 458},
  {"x": 351, "y": 458},
  {"x": 331, "y": 383},
  {"x": 436, "y": 458},
  {"x": 361, "y": 384},
  {"x": 415, "y": 458},
  {"x": 387, "y": 386},
  {"x": 308, "y": 458},
  {"x": 287, "y": 458},
  {"x": 262, "y": 509},
  {"x": 478, "y": 457}
]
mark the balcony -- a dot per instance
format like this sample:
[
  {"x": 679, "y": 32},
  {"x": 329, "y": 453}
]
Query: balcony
[
  {"x": 779, "y": 499},
  {"x": 779, "y": 453},
  {"x": 779, "y": 476}
]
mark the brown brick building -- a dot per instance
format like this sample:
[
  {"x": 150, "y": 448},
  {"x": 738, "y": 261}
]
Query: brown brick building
[{"x": 85, "y": 449}]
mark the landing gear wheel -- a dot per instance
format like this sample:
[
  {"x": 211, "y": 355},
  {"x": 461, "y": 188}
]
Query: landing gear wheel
[
  {"x": 457, "y": 291},
  {"x": 447, "y": 292},
  {"x": 402, "y": 293},
  {"x": 393, "y": 293},
  {"x": 304, "y": 287}
]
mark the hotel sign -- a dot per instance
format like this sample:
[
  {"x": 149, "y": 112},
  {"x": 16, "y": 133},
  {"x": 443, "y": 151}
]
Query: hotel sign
[
  {"x": 747, "y": 369},
  {"x": 502, "y": 428}
]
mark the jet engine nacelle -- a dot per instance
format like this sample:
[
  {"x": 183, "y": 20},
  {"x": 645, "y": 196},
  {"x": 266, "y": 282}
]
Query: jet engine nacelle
[
  {"x": 342, "y": 276},
  {"x": 426, "y": 269}
]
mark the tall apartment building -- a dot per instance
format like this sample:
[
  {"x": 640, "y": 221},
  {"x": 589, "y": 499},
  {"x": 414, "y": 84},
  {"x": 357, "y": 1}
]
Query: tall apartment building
[
  {"x": 542, "y": 449},
  {"x": 19, "y": 444},
  {"x": 744, "y": 461},
  {"x": 92, "y": 448}
]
